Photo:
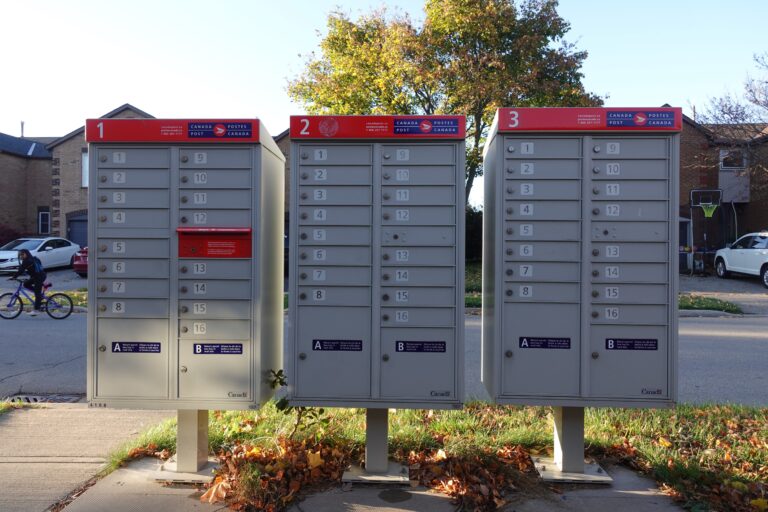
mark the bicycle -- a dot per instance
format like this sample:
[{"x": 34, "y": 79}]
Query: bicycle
[{"x": 58, "y": 305}]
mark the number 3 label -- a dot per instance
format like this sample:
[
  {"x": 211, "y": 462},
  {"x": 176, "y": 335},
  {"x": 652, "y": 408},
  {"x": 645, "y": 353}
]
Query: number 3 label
[{"x": 514, "y": 119}]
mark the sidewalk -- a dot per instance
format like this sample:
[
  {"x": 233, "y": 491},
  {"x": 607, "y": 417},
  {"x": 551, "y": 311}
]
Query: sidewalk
[{"x": 46, "y": 453}]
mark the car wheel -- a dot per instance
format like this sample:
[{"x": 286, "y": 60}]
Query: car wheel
[
  {"x": 72, "y": 261},
  {"x": 764, "y": 275},
  {"x": 720, "y": 268}
]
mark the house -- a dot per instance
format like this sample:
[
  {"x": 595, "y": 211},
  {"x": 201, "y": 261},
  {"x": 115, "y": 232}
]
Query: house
[
  {"x": 729, "y": 162},
  {"x": 25, "y": 194}
]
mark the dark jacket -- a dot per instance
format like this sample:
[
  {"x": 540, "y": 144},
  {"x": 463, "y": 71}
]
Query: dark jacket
[{"x": 27, "y": 265}]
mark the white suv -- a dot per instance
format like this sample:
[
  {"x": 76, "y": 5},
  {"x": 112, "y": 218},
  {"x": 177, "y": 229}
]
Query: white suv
[{"x": 747, "y": 255}]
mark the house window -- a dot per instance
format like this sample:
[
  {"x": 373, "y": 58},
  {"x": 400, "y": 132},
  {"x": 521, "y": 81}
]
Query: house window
[
  {"x": 732, "y": 159},
  {"x": 84, "y": 167},
  {"x": 43, "y": 222}
]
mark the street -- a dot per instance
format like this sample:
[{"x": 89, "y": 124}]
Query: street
[{"x": 720, "y": 359}]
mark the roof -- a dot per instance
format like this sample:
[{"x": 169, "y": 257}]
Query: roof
[
  {"x": 741, "y": 132},
  {"x": 280, "y": 136},
  {"x": 113, "y": 113},
  {"x": 26, "y": 148}
]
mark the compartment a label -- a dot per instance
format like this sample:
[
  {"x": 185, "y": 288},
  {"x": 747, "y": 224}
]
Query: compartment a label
[
  {"x": 217, "y": 348},
  {"x": 534, "y": 342},
  {"x": 631, "y": 344},
  {"x": 135, "y": 347},
  {"x": 338, "y": 345},
  {"x": 419, "y": 346}
]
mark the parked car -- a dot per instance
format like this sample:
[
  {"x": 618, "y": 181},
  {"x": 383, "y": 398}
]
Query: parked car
[
  {"x": 52, "y": 252},
  {"x": 80, "y": 265},
  {"x": 747, "y": 255}
]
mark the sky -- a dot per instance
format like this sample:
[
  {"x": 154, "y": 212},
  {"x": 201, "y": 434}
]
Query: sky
[{"x": 65, "y": 61}]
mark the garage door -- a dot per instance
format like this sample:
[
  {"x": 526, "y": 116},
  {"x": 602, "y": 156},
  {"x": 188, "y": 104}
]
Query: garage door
[{"x": 77, "y": 230}]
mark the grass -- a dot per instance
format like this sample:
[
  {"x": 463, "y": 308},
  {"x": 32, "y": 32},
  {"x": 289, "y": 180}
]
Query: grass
[
  {"x": 6, "y": 406},
  {"x": 473, "y": 279},
  {"x": 693, "y": 301},
  {"x": 705, "y": 456}
]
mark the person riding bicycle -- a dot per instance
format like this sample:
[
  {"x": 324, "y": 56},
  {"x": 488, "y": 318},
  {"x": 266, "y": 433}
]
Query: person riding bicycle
[{"x": 34, "y": 268}]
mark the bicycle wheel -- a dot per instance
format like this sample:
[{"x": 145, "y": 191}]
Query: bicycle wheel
[
  {"x": 59, "y": 306},
  {"x": 10, "y": 306}
]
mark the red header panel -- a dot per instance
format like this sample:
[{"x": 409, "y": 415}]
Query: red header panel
[
  {"x": 172, "y": 130},
  {"x": 214, "y": 242},
  {"x": 590, "y": 119},
  {"x": 378, "y": 127}
]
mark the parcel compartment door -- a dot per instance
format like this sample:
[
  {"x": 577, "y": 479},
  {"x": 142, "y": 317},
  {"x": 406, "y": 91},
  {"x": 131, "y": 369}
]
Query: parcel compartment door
[
  {"x": 333, "y": 352},
  {"x": 418, "y": 364},
  {"x": 540, "y": 357}
]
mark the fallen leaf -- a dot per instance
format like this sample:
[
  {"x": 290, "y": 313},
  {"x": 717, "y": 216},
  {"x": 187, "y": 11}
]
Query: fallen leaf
[
  {"x": 314, "y": 459},
  {"x": 760, "y": 504},
  {"x": 217, "y": 492},
  {"x": 663, "y": 441}
]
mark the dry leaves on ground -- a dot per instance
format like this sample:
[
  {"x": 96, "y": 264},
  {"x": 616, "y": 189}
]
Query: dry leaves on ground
[{"x": 476, "y": 483}]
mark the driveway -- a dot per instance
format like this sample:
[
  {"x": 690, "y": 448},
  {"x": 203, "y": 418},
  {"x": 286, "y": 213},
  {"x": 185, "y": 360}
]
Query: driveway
[{"x": 746, "y": 291}]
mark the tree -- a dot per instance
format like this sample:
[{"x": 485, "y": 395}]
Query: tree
[
  {"x": 469, "y": 57},
  {"x": 740, "y": 121}
]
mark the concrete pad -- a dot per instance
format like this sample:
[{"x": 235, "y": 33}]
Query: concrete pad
[
  {"x": 381, "y": 499},
  {"x": 131, "y": 488},
  {"x": 629, "y": 491}
]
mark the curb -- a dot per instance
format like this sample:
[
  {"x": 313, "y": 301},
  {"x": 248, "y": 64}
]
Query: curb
[{"x": 708, "y": 313}]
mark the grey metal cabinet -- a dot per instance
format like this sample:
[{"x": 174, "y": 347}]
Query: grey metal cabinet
[
  {"x": 185, "y": 267},
  {"x": 580, "y": 248},
  {"x": 376, "y": 282}
]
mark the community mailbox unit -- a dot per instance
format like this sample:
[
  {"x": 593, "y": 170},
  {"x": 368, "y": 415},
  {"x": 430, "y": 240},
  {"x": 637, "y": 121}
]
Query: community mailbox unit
[
  {"x": 377, "y": 261},
  {"x": 185, "y": 263},
  {"x": 580, "y": 257}
]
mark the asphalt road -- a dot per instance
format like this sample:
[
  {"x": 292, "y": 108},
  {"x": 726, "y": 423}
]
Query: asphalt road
[
  {"x": 720, "y": 359},
  {"x": 42, "y": 355}
]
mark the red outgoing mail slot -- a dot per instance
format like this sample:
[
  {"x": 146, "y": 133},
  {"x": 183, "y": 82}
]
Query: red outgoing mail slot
[{"x": 214, "y": 242}]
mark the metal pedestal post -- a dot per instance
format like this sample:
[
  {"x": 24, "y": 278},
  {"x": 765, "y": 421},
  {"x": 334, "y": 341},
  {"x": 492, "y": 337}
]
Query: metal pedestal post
[
  {"x": 568, "y": 465},
  {"x": 190, "y": 464},
  {"x": 378, "y": 468}
]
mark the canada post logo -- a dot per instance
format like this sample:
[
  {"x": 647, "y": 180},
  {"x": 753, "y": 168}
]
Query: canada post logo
[
  {"x": 636, "y": 119},
  {"x": 426, "y": 126},
  {"x": 220, "y": 130}
]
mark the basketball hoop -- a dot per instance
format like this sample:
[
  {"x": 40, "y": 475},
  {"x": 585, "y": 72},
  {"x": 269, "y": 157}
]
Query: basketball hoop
[{"x": 709, "y": 209}]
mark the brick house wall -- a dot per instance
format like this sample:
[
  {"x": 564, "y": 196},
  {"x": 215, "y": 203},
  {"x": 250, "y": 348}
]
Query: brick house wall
[
  {"x": 25, "y": 190},
  {"x": 38, "y": 192},
  {"x": 13, "y": 192},
  {"x": 66, "y": 182},
  {"x": 755, "y": 216}
]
